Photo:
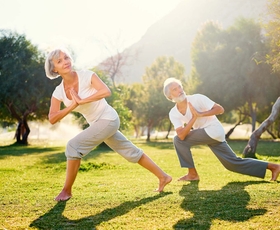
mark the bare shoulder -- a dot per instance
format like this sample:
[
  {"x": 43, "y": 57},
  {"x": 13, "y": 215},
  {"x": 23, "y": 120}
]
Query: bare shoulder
[{"x": 95, "y": 78}]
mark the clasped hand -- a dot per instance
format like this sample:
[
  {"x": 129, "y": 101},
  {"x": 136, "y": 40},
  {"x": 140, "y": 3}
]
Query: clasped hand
[
  {"x": 194, "y": 112},
  {"x": 75, "y": 97}
]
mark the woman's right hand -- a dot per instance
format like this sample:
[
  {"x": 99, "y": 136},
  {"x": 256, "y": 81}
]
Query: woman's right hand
[{"x": 74, "y": 99}]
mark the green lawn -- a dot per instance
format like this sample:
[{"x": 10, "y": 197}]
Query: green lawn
[{"x": 111, "y": 193}]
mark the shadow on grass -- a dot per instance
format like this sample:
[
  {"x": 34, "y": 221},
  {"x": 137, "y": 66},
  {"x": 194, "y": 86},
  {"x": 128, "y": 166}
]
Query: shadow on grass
[
  {"x": 266, "y": 148},
  {"x": 54, "y": 219},
  {"x": 20, "y": 150},
  {"x": 160, "y": 144},
  {"x": 55, "y": 156},
  {"x": 228, "y": 204},
  {"x": 60, "y": 157}
]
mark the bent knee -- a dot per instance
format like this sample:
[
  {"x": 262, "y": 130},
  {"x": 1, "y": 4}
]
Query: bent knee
[
  {"x": 176, "y": 140},
  {"x": 71, "y": 152},
  {"x": 134, "y": 158}
]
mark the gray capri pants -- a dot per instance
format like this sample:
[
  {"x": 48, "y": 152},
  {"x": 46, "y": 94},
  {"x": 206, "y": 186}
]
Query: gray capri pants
[
  {"x": 98, "y": 132},
  {"x": 223, "y": 152}
]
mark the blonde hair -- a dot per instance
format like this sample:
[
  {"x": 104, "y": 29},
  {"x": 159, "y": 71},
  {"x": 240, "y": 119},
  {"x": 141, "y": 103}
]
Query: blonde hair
[
  {"x": 166, "y": 85},
  {"x": 49, "y": 62}
]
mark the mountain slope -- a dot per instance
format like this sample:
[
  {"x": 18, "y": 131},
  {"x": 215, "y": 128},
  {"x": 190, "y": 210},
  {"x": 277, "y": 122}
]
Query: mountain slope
[{"x": 174, "y": 33}]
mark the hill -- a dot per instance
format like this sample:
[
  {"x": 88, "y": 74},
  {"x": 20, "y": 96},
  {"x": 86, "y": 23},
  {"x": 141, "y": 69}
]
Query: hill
[{"x": 174, "y": 33}]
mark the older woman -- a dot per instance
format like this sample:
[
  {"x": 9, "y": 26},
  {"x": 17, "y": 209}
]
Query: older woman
[
  {"x": 195, "y": 122},
  {"x": 84, "y": 92}
]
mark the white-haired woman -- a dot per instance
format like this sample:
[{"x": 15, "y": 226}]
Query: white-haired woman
[{"x": 84, "y": 92}]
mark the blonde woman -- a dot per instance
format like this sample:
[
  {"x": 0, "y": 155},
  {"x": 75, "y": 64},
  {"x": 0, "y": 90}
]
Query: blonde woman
[{"x": 84, "y": 92}]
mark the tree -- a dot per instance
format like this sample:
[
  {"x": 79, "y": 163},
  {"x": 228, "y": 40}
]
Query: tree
[
  {"x": 25, "y": 91},
  {"x": 156, "y": 106},
  {"x": 273, "y": 33},
  {"x": 273, "y": 57},
  {"x": 231, "y": 68},
  {"x": 116, "y": 61},
  {"x": 251, "y": 147},
  {"x": 136, "y": 102}
]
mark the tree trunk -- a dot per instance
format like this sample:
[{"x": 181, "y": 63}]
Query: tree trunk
[
  {"x": 233, "y": 128},
  {"x": 22, "y": 133},
  {"x": 231, "y": 131},
  {"x": 26, "y": 132},
  {"x": 150, "y": 125},
  {"x": 148, "y": 135},
  {"x": 271, "y": 134},
  {"x": 23, "y": 130},
  {"x": 250, "y": 149},
  {"x": 253, "y": 114},
  {"x": 169, "y": 129},
  {"x": 136, "y": 130}
]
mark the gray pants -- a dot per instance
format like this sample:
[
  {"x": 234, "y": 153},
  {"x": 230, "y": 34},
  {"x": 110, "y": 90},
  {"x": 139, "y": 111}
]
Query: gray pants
[
  {"x": 223, "y": 152},
  {"x": 95, "y": 134}
]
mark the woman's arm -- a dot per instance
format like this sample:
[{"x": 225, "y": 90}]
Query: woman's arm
[
  {"x": 55, "y": 114},
  {"x": 102, "y": 91}
]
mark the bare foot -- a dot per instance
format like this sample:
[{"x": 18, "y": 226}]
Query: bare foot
[
  {"x": 162, "y": 182},
  {"x": 63, "y": 196},
  {"x": 189, "y": 177},
  {"x": 275, "y": 172}
]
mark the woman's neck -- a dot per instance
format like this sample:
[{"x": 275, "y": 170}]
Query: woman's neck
[{"x": 69, "y": 78}]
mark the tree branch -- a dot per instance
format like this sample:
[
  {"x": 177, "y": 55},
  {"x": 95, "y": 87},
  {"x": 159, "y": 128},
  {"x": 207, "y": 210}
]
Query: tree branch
[{"x": 250, "y": 149}]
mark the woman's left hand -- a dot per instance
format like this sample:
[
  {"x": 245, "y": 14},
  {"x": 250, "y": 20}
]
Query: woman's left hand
[{"x": 75, "y": 96}]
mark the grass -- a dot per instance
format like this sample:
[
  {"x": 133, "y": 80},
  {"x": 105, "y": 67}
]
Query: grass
[{"x": 111, "y": 193}]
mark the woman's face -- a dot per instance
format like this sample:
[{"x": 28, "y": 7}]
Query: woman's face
[{"x": 62, "y": 64}]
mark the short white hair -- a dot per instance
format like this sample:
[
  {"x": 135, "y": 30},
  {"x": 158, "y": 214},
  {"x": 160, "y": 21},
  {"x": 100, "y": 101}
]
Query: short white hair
[
  {"x": 166, "y": 86},
  {"x": 49, "y": 62}
]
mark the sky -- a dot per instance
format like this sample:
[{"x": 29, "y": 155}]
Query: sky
[{"x": 92, "y": 29}]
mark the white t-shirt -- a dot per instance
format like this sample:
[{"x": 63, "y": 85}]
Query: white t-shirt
[
  {"x": 91, "y": 111},
  {"x": 211, "y": 124}
]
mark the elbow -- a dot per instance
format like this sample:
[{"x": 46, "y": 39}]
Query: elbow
[
  {"x": 219, "y": 109},
  {"x": 52, "y": 121},
  {"x": 108, "y": 93}
]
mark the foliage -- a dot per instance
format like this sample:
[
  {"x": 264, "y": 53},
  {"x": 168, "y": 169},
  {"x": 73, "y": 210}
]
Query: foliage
[
  {"x": 231, "y": 69},
  {"x": 31, "y": 177},
  {"x": 25, "y": 91},
  {"x": 117, "y": 101},
  {"x": 273, "y": 33},
  {"x": 156, "y": 105},
  {"x": 135, "y": 100}
]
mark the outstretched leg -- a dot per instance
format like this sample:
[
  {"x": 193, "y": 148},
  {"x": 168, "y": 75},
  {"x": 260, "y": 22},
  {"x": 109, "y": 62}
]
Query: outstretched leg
[
  {"x": 119, "y": 143},
  {"x": 164, "y": 178},
  {"x": 71, "y": 173}
]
